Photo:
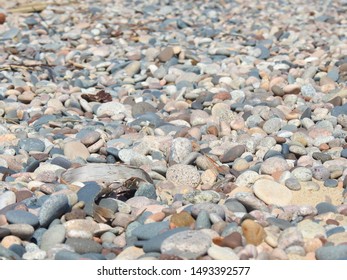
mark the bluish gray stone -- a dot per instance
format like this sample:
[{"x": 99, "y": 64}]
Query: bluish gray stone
[
  {"x": 325, "y": 207},
  {"x": 202, "y": 220},
  {"x": 332, "y": 252},
  {"x": 147, "y": 231},
  {"x": 8, "y": 254},
  {"x": 67, "y": 255},
  {"x": 32, "y": 144},
  {"x": 281, "y": 223},
  {"x": 54, "y": 207},
  {"x": 22, "y": 217},
  {"x": 62, "y": 162},
  {"x": 83, "y": 246},
  {"x": 330, "y": 183},
  {"x": 335, "y": 230},
  {"x": 153, "y": 244},
  {"x": 146, "y": 189},
  {"x": 88, "y": 194},
  {"x": 54, "y": 235},
  {"x": 209, "y": 207}
]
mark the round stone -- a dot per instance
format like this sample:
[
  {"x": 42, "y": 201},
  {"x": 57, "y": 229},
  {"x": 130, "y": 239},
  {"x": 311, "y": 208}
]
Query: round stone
[
  {"x": 272, "y": 192},
  {"x": 303, "y": 174},
  {"x": 292, "y": 184},
  {"x": 330, "y": 183},
  {"x": 320, "y": 173},
  {"x": 183, "y": 175},
  {"x": 232, "y": 154},
  {"x": 147, "y": 231},
  {"x": 325, "y": 207},
  {"x": 182, "y": 219},
  {"x": 222, "y": 253},
  {"x": 110, "y": 109},
  {"x": 272, "y": 125},
  {"x": 180, "y": 148},
  {"x": 188, "y": 244},
  {"x": 7, "y": 198},
  {"x": 331, "y": 252},
  {"x": 274, "y": 164},
  {"x": 83, "y": 246}
]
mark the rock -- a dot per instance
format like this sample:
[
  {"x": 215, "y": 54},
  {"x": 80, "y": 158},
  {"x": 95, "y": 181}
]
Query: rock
[
  {"x": 32, "y": 144},
  {"x": 310, "y": 229},
  {"x": 147, "y": 231},
  {"x": 87, "y": 194},
  {"x": 189, "y": 244},
  {"x": 253, "y": 232},
  {"x": 179, "y": 150},
  {"x": 53, "y": 236},
  {"x": 7, "y": 198},
  {"x": 303, "y": 174},
  {"x": 166, "y": 54},
  {"x": 274, "y": 164},
  {"x": 54, "y": 207},
  {"x": 21, "y": 217},
  {"x": 232, "y": 154},
  {"x": 231, "y": 240},
  {"x": 182, "y": 219},
  {"x": 251, "y": 202},
  {"x": 331, "y": 252},
  {"x": 75, "y": 149},
  {"x": 202, "y": 220},
  {"x": 222, "y": 253},
  {"x": 290, "y": 237},
  {"x": 83, "y": 246},
  {"x": 208, "y": 207},
  {"x": 23, "y": 231},
  {"x": 292, "y": 184},
  {"x": 183, "y": 175},
  {"x": 154, "y": 244},
  {"x": 110, "y": 109},
  {"x": 325, "y": 207},
  {"x": 130, "y": 253},
  {"x": 272, "y": 193}
]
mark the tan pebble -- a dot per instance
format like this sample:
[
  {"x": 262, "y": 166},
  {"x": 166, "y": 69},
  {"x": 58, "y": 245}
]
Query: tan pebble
[
  {"x": 9, "y": 240},
  {"x": 253, "y": 232},
  {"x": 208, "y": 177},
  {"x": 277, "y": 81},
  {"x": 292, "y": 89},
  {"x": 311, "y": 245},
  {"x": 3, "y": 220},
  {"x": 310, "y": 256},
  {"x": 278, "y": 254},
  {"x": 157, "y": 217}
]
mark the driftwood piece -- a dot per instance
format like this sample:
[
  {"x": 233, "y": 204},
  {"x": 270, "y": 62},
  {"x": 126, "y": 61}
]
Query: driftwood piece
[{"x": 103, "y": 173}]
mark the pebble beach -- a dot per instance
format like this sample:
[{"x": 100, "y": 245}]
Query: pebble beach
[{"x": 173, "y": 130}]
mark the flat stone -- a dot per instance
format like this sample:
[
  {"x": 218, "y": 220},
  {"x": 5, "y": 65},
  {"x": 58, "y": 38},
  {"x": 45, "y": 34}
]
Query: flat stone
[
  {"x": 21, "y": 217},
  {"x": 76, "y": 149},
  {"x": 153, "y": 244},
  {"x": 147, "y": 231},
  {"x": 189, "y": 244},
  {"x": 274, "y": 164},
  {"x": 325, "y": 207},
  {"x": 232, "y": 154},
  {"x": 331, "y": 252},
  {"x": 32, "y": 144},
  {"x": 23, "y": 231},
  {"x": 222, "y": 253},
  {"x": 83, "y": 246},
  {"x": 303, "y": 174},
  {"x": 272, "y": 193},
  {"x": 182, "y": 219}
]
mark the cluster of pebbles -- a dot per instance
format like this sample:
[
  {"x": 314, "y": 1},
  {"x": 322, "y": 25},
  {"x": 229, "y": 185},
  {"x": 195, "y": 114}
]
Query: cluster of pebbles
[{"x": 174, "y": 130}]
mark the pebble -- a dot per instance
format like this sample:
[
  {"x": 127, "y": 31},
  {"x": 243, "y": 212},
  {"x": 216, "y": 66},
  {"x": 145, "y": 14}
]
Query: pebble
[
  {"x": 21, "y": 217},
  {"x": 183, "y": 175},
  {"x": 54, "y": 207},
  {"x": 253, "y": 232},
  {"x": 52, "y": 236},
  {"x": 331, "y": 252},
  {"x": 272, "y": 193},
  {"x": 152, "y": 102},
  {"x": 187, "y": 244}
]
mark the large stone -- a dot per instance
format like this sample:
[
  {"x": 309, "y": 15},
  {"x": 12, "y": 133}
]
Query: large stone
[{"x": 272, "y": 192}]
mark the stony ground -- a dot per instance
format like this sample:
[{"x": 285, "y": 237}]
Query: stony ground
[{"x": 173, "y": 130}]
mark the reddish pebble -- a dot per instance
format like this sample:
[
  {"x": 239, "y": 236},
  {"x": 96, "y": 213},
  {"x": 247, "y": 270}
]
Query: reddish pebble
[
  {"x": 324, "y": 147},
  {"x": 332, "y": 222},
  {"x": 2, "y": 18}
]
